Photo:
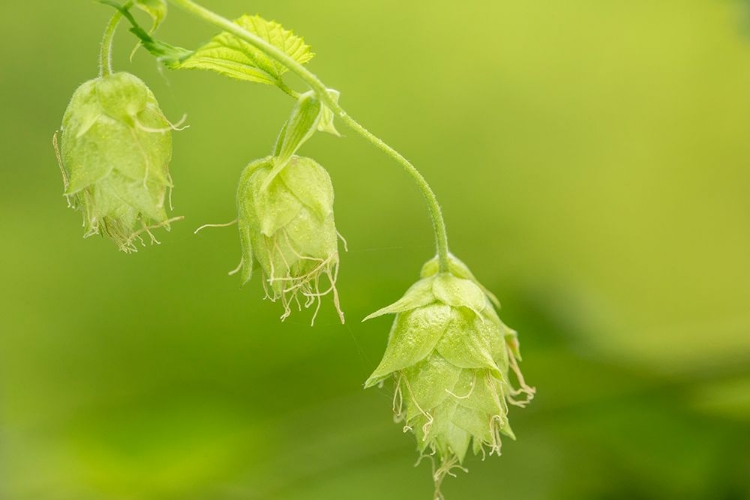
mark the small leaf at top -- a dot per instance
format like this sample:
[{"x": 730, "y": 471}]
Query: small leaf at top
[
  {"x": 157, "y": 9},
  {"x": 233, "y": 57},
  {"x": 167, "y": 54}
]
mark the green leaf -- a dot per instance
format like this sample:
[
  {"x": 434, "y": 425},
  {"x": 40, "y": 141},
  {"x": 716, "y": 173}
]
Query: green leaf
[
  {"x": 157, "y": 9},
  {"x": 230, "y": 56}
]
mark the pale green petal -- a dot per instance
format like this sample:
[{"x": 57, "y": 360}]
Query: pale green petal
[
  {"x": 83, "y": 111},
  {"x": 417, "y": 425},
  {"x": 420, "y": 294},
  {"x": 511, "y": 339},
  {"x": 430, "y": 382},
  {"x": 149, "y": 202},
  {"x": 475, "y": 422},
  {"x": 454, "y": 441},
  {"x": 275, "y": 205},
  {"x": 90, "y": 158},
  {"x": 505, "y": 429},
  {"x": 413, "y": 338},
  {"x": 458, "y": 269},
  {"x": 479, "y": 390},
  {"x": 310, "y": 236},
  {"x": 430, "y": 424},
  {"x": 469, "y": 342},
  {"x": 246, "y": 247},
  {"x": 311, "y": 184},
  {"x": 122, "y": 96},
  {"x": 459, "y": 292}
]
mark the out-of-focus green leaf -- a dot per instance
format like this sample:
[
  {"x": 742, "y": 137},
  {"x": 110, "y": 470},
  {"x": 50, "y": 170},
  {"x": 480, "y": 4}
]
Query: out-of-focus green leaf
[{"x": 157, "y": 9}]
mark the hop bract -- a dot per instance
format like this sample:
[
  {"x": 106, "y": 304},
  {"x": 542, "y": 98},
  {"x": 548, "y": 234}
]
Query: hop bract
[
  {"x": 286, "y": 225},
  {"x": 115, "y": 149},
  {"x": 451, "y": 358}
]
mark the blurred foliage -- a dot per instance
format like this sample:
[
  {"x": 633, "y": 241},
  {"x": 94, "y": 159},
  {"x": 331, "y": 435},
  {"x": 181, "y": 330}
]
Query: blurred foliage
[{"x": 592, "y": 160}]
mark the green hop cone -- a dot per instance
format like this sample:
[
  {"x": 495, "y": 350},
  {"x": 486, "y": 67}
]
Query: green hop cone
[
  {"x": 286, "y": 225},
  {"x": 114, "y": 152},
  {"x": 451, "y": 358}
]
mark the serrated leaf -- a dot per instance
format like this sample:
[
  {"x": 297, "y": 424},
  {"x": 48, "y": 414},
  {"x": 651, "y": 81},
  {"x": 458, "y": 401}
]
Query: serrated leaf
[
  {"x": 233, "y": 57},
  {"x": 157, "y": 9}
]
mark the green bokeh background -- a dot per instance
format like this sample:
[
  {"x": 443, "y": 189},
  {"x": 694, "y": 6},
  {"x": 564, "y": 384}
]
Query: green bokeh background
[{"x": 592, "y": 159}]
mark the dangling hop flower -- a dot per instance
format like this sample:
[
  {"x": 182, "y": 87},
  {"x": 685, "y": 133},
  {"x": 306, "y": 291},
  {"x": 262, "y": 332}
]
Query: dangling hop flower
[
  {"x": 451, "y": 358},
  {"x": 286, "y": 225},
  {"x": 115, "y": 149}
]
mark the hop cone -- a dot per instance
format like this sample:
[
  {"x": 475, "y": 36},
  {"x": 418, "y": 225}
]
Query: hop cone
[
  {"x": 286, "y": 225},
  {"x": 115, "y": 149},
  {"x": 451, "y": 358}
]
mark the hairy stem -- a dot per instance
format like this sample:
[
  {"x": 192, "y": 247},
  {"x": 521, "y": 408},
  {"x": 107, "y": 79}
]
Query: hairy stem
[
  {"x": 105, "y": 54},
  {"x": 438, "y": 223}
]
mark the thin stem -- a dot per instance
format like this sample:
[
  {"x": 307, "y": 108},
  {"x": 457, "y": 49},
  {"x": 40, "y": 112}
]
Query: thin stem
[
  {"x": 288, "y": 91},
  {"x": 321, "y": 91},
  {"x": 436, "y": 214},
  {"x": 105, "y": 55}
]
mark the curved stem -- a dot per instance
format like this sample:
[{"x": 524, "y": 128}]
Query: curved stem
[
  {"x": 438, "y": 223},
  {"x": 436, "y": 214},
  {"x": 105, "y": 54}
]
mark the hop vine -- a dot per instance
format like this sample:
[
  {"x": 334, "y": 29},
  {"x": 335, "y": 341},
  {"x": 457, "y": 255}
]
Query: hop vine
[{"x": 453, "y": 362}]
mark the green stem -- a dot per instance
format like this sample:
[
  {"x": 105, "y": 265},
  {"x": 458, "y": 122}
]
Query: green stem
[
  {"x": 288, "y": 91},
  {"x": 436, "y": 214},
  {"x": 438, "y": 223},
  {"x": 105, "y": 55}
]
